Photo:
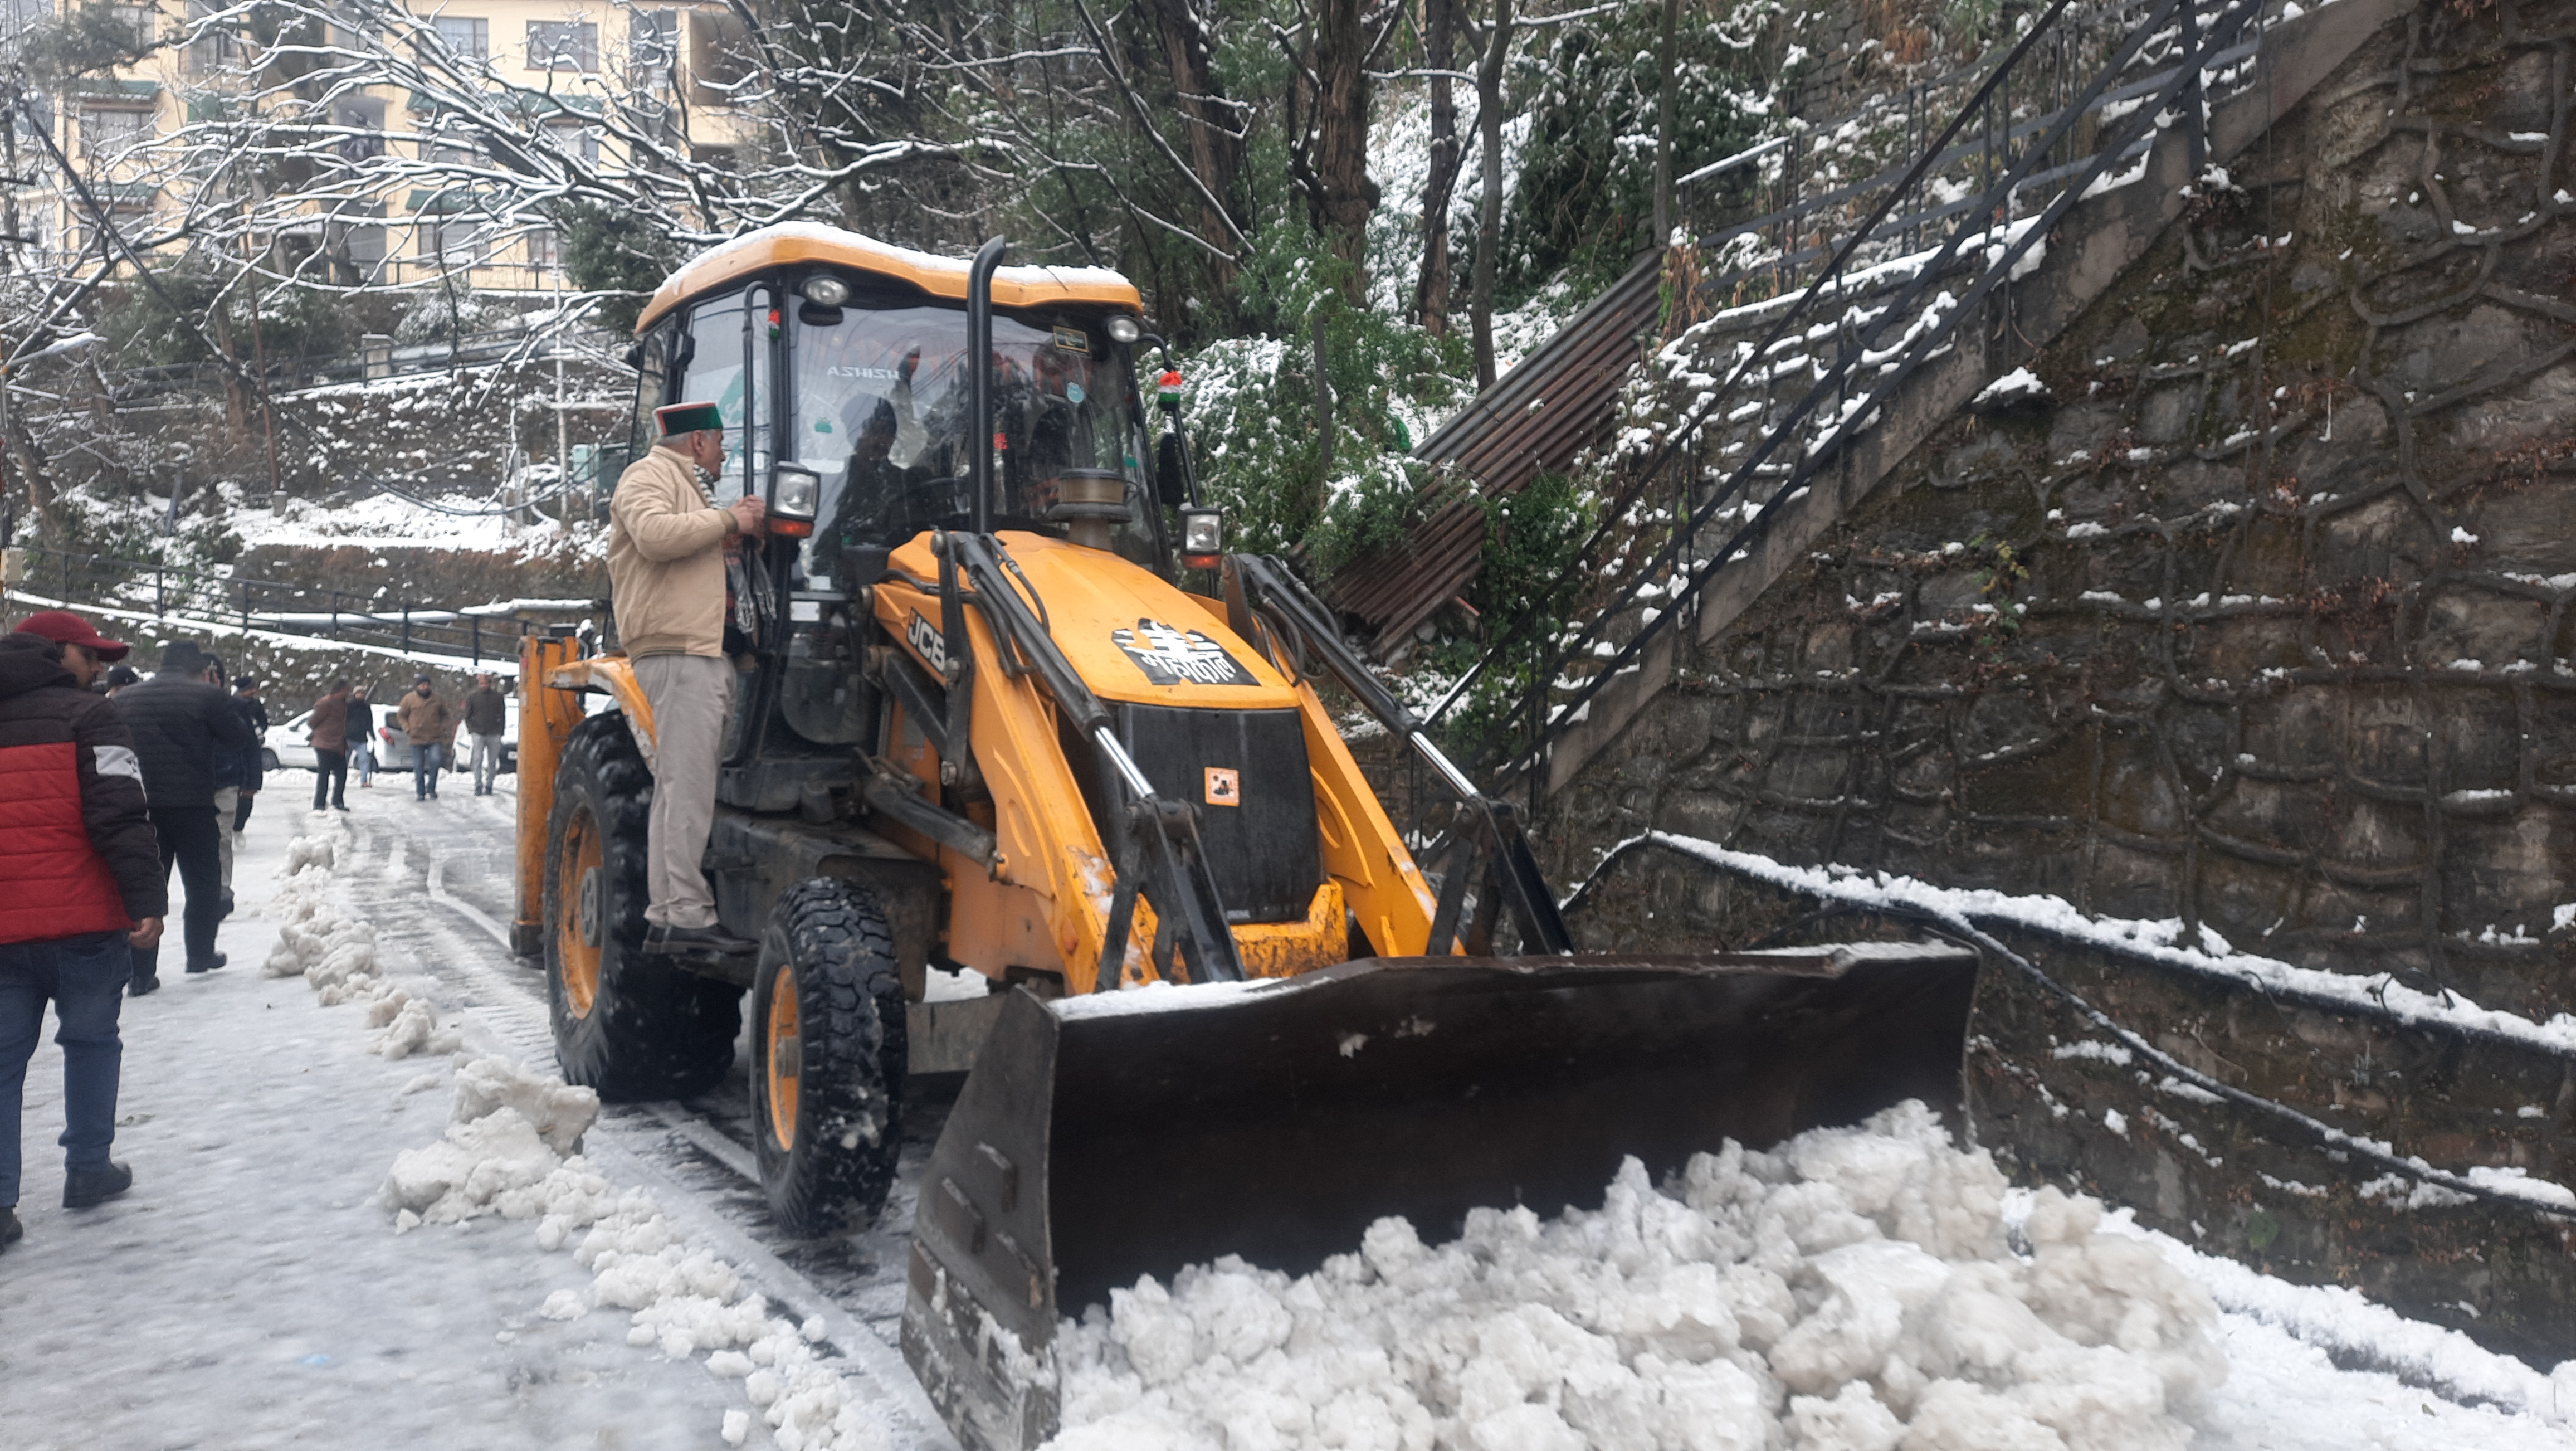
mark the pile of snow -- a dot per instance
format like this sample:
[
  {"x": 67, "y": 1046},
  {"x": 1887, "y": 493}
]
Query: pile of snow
[
  {"x": 1851, "y": 1290},
  {"x": 511, "y": 1149},
  {"x": 504, "y": 1152},
  {"x": 335, "y": 952}
]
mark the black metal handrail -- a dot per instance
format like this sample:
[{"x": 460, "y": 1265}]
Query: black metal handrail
[{"x": 2199, "y": 42}]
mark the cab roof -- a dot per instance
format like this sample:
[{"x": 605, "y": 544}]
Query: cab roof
[{"x": 793, "y": 242}]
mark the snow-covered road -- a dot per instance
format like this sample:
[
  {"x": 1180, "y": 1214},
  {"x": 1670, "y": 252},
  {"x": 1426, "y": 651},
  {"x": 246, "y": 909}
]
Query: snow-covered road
[{"x": 250, "y": 1292}]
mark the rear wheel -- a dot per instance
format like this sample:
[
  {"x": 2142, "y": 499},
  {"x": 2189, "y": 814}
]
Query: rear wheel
[
  {"x": 631, "y": 1026},
  {"x": 828, "y": 1057}
]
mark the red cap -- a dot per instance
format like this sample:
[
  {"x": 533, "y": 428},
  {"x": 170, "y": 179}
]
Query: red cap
[{"x": 64, "y": 627}]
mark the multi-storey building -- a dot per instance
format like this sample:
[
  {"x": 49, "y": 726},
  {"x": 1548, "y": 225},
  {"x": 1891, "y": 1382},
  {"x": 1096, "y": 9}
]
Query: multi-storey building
[{"x": 144, "y": 136}]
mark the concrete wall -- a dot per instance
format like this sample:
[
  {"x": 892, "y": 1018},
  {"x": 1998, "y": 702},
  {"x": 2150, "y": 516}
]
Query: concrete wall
[{"x": 2174, "y": 644}]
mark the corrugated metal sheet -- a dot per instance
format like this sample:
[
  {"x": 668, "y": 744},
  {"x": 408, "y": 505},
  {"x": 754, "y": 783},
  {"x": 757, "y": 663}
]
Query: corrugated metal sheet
[{"x": 1537, "y": 417}]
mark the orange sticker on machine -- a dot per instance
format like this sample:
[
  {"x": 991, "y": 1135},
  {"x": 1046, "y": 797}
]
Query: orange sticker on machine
[{"x": 1224, "y": 786}]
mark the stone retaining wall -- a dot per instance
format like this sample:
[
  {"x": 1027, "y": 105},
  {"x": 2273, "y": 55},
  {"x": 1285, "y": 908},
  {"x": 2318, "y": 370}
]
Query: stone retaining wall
[{"x": 2259, "y": 621}]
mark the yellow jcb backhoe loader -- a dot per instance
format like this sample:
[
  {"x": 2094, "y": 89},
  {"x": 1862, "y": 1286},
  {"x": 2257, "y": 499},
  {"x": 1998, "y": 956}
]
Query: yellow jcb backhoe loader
[{"x": 980, "y": 726}]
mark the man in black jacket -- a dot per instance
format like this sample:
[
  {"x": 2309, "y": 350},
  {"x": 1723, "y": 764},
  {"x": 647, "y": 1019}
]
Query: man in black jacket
[
  {"x": 254, "y": 713},
  {"x": 360, "y": 733},
  {"x": 178, "y": 721},
  {"x": 81, "y": 891}
]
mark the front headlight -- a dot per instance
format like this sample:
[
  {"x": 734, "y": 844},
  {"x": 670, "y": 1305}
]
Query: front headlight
[
  {"x": 794, "y": 492},
  {"x": 1123, "y": 328},
  {"x": 1202, "y": 537}
]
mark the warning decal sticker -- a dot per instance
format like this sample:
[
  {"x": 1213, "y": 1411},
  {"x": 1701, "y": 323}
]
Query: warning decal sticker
[
  {"x": 1170, "y": 656},
  {"x": 1224, "y": 786}
]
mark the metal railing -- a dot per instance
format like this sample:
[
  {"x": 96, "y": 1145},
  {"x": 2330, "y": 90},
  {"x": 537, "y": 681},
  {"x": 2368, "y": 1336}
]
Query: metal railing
[
  {"x": 1835, "y": 301},
  {"x": 183, "y": 596}
]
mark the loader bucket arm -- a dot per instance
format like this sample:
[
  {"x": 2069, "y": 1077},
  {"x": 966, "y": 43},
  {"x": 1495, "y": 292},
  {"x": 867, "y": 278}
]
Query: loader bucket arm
[
  {"x": 1105, "y": 1138},
  {"x": 1264, "y": 600},
  {"x": 546, "y": 720}
]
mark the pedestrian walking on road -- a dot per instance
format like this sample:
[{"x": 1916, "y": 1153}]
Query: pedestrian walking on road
[
  {"x": 237, "y": 777},
  {"x": 667, "y": 545},
  {"x": 487, "y": 717},
  {"x": 361, "y": 736},
  {"x": 254, "y": 713},
  {"x": 330, "y": 723},
  {"x": 429, "y": 723},
  {"x": 81, "y": 892},
  {"x": 178, "y": 719}
]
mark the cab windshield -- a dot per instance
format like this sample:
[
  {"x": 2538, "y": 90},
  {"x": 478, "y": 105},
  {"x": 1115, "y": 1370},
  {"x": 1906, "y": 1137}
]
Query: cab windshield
[{"x": 878, "y": 409}]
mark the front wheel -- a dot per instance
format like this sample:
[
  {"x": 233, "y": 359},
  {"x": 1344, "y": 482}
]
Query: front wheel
[
  {"x": 828, "y": 1045},
  {"x": 632, "y": 1026}
]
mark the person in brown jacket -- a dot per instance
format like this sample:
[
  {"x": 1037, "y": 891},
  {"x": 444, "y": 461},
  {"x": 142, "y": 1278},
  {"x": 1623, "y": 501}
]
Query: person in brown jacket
[
  {"x": 330, "y": 722},
  {"x": 667, "y": 544},
  {"x": 429, "y": 723}
]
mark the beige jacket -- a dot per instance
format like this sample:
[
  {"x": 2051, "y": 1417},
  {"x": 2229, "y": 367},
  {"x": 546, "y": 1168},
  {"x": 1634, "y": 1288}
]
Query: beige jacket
[
  {"x": 666, "y": 571},
  {"x": 426, "y": 720}
]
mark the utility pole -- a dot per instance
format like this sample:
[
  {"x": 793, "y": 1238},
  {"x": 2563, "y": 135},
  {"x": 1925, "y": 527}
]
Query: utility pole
[
  {"x": 1664, "y": 128},
  {"x": 9, "y": 210},
  {"x": 259, "y": 360},
  {"x": 563, "y": 428},
  {"x": 1489, "y": 215}
]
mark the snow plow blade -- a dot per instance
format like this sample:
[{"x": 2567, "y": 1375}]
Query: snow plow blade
[{"x": 1104, "y": 1138}]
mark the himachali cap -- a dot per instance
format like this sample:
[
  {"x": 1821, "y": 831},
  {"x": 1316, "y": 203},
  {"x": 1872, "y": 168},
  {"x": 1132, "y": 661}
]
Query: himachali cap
[
  {"x": 65, "y": 628},
  {"x": 681, "y": 418}
]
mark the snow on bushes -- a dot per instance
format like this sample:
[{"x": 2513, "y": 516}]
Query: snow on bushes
[{"x": 1851, "y": 1290}]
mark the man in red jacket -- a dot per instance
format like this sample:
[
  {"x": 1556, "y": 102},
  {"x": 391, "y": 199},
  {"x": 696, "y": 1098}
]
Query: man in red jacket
[{"x": 81, "y": 886}]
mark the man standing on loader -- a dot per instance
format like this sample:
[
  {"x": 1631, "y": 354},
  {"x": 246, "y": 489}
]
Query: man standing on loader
[{"x": 667, "y": 544}]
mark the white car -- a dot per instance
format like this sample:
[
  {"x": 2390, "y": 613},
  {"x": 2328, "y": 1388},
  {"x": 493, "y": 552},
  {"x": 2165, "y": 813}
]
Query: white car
[{"x": 291, "y": 744}]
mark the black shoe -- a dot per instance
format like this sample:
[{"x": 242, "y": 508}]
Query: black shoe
[
  {"x": 137, "y": 987},
  {"x": 85, "y": 1187},
  {"x": 669, "y": 940},
  {"x": 11, "y": 1231},
  {"x": 209, "y": 964},
  {"x": 336, "y": 806},
  {"x": 226, "y": 909}
]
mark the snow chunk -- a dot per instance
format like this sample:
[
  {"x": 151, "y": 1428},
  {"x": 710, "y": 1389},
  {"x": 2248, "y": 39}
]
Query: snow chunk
[
  {"x": 2019, "y": 385},
  {"x": 561, "y": 1112},
  {"x": 1850, "y": 1289}
]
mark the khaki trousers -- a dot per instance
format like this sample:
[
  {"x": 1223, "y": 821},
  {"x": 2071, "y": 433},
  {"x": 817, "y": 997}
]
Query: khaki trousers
[
  {"x": 690, "y": 696},
  {"x": 227, "y": 801}
]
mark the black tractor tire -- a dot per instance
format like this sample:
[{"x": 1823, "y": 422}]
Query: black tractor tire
[
  {"x": 827, "y": 1082},
  {"x": 631, "y": 1026}
]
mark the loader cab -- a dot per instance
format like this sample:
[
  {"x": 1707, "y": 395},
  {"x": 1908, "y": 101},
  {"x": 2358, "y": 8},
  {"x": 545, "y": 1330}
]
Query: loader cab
[
  {"x": 839, "y": 366},
  {"x": 854, "y": 383}
]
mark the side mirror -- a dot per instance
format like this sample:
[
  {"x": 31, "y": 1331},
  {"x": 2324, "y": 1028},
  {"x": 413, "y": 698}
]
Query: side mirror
[{"x": 1171, "y": 485}]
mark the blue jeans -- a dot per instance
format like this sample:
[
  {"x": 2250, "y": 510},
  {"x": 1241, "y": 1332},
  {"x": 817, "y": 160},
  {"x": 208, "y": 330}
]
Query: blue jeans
[
  {"x": 85, "y": 978},
  {"x": 425, "y": 761}
]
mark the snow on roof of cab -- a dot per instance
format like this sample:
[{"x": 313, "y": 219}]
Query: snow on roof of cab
[{"x": 792, "y": 242}]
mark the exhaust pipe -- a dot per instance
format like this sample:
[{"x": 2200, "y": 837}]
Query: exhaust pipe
[{"x": 979, "y": 353}]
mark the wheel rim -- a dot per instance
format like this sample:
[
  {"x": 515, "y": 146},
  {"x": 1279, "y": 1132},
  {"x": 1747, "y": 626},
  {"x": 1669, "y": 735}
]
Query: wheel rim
[
  {"x": 579, "y": 931},
  {"x": 785, "y": 1059}
]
